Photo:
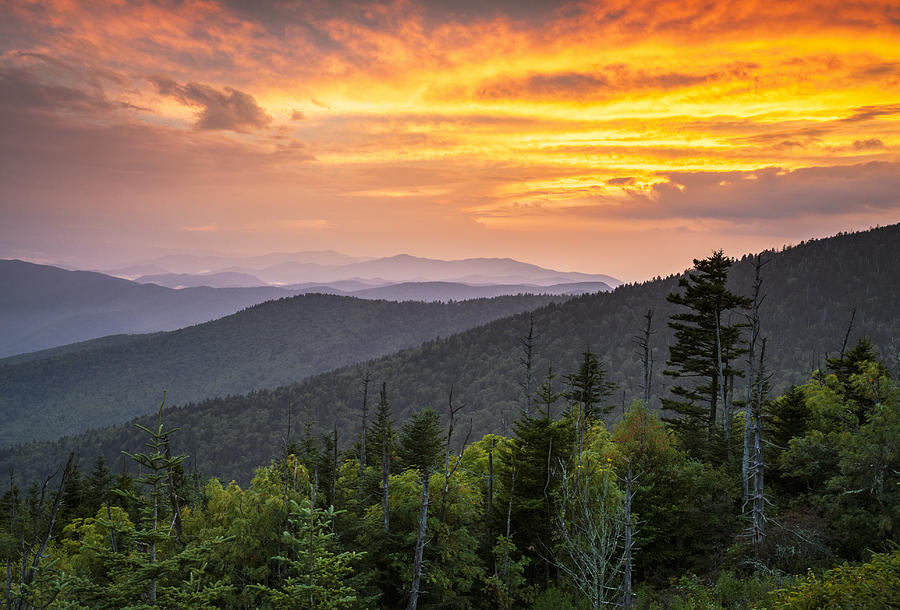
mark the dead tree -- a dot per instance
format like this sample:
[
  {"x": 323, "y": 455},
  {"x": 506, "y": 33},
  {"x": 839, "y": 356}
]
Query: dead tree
[
  {"x": 590, "y": 528},
  {"x": 626, "y": 577},
  {"x": 34, "y": 550},
  {"x": 753, "y": 322},
  {"x": 758, "y": 521},
  {"x": 362, "y": 436},
  {"x": 420, "y": 545},
  {"x": 448, "y": 469},
  {"x": 385, "y": 423},
  {"x": 646, "y": 355}
]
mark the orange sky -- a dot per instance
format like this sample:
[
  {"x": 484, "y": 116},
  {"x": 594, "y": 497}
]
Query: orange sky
[{"x": 622, "y": 137}]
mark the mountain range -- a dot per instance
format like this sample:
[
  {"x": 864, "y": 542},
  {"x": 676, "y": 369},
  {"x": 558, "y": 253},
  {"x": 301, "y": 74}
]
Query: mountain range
[
  {"x": 43, "y": 307},
  {"x": 813, "y": 291},
  {"x": 326, "y": 267}
]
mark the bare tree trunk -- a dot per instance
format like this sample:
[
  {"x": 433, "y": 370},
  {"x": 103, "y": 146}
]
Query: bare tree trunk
[
  {"x": 626, "y": 584},
  {"x": 420, "y": 545},
  {"x": 512, "y": 491},
  {"x": 385, "y": 468},
  {"x": 646, "y": 355},
  {"x": 722, "y": 386},
  {"x": 312, "y": 525},
  {"x": 448, "y": 470},
  {"x": 751, "y": 357},
  {"x": 759, "y": 499},
  {"x": 847, "y": 334},
  {"x": 173, "y": 496},
  {"x": 112, "y": 530},
  {"x": 30, "y": 564},
  {"x": 362, "y": 437}
]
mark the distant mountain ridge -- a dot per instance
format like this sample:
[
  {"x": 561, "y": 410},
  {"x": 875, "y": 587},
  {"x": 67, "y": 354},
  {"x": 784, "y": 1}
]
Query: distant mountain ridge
[
  {"x": 43, "y": 306},
  {"x": 811, "y": 290},
  {"x": 304, "y": 268},
  {"x": 219, "y": 279}
]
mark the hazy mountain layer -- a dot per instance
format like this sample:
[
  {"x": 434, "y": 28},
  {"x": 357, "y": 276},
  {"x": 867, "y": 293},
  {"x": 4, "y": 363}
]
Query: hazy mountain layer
[
  {"x": 110, "y": 380},
  {"x": 811, "y": 290},
  {"x": 43, "y": 307},
  {"x": 326, "y": 268}
]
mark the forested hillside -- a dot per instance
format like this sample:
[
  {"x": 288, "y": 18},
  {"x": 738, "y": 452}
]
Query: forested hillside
[
  {"x": 43, "y": 306},
  {"x": 811, "y": 292},
  {"x": 109, "y": 381}
]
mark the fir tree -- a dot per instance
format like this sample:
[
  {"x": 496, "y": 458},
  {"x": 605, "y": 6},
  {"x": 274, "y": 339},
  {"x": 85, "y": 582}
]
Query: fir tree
[{"x": 705, "y": 349}]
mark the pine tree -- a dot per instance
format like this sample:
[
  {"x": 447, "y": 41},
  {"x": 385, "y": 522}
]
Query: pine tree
[
  {"x": 705, "y": 349},
  {"x": 588, "y": 387}
]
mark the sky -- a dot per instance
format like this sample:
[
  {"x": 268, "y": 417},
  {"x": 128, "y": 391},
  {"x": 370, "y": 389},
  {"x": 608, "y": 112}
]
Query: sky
[{"x": 624, "y": 137}]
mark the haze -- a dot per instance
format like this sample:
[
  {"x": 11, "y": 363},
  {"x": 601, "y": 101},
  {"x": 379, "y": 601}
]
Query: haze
[{"x": 615, "y": 137}]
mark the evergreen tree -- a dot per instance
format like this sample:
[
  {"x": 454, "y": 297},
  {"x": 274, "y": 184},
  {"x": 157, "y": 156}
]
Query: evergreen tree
[
  {"x": 705, "y": 349},
  {"x": 588, "y": 387}
]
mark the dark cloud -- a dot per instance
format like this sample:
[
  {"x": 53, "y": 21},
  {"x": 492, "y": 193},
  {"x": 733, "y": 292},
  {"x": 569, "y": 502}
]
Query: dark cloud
[
  {"x": 864, "y": 113},
  {"x": 600, "y": 83},
  {"x": 870, "y": 144},
  {"x": 296, "y": 115},
  {"x": 228, "y": 109},
  {"x": 20, "y": 88},
  {"x": 776, "y": 193},
  {"x": 620, "y": 181}
]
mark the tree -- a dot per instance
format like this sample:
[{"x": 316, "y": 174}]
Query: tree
[
  {"x": 381, "y": 439},
  {"x": 589, "y": 521},
  {"x": 588, "y": 389},
  {"x": 850, "y": 470},
  {"x": 646, "y": 355},
  {"x": 527, "y": 362},
  {"x": 420, "y": 448},
  {"x": 318, "y": 571},
  {"x": 705, "y": 348}
]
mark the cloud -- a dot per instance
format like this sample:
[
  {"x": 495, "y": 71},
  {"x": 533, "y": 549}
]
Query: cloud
[
  {"x": 774, "y": 193},
  {"x": 22, "y": 89},
  {"x": 865, "y": 113},
  {"x": 870, "y": 144},
  {"x": 601, "y": 83},
  {"x": 228, "y": 109}
]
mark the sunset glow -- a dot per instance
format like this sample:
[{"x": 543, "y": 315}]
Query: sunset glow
[{"x": 622, "y": 137}]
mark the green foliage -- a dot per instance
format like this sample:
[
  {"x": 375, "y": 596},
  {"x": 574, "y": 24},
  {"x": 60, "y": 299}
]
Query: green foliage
[
  {"x": 508, "y": 587},
  {"x": 849, "y": 468},
  {"x": 685, "y": 508},
  {"x": 873, "y": 584},
  {"x": 421, "y": 443},
  {"x": 318, "y": 573}
]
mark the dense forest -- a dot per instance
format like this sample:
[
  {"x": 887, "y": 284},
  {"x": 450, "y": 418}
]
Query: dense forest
[
  {"x": 105, "y": 381},
  {"x": 813, "y": 292},
  {"x": 739, "y": 496}
]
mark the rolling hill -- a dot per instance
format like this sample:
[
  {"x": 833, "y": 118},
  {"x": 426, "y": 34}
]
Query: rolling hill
[
  {"x": 811, "y": 289},
  {"x": 110, "y": 380}
]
